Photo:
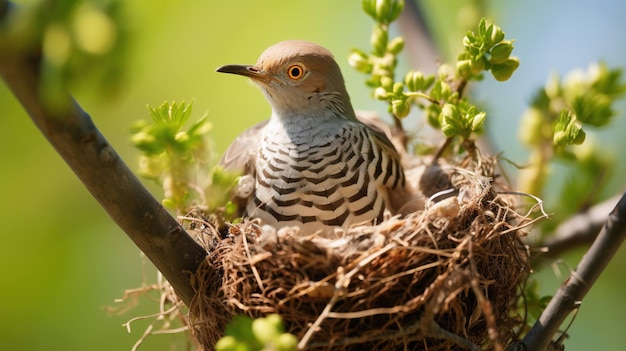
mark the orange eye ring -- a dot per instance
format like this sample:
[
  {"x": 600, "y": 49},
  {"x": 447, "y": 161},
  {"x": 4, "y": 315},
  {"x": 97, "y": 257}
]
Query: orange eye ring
[{"x": 295, "y": 72}]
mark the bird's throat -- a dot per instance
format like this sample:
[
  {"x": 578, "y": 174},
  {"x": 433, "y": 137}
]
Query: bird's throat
[{"x": 300, "y": 129}]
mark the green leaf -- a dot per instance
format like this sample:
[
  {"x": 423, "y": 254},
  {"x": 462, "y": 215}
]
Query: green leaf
[
  {"x": 501, "y": 52},
  {"x": 241, "y": 328},
  {"x": 607, "y": 81},
  {"x": 478, "y": 120},
  {"x": 504, "y": 71},
  {"x": 593, "y": 109},
  {"x": 567, "y": 131}
]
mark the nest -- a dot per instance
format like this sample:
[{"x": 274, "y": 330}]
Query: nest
[{"x": 447, "y": 278}]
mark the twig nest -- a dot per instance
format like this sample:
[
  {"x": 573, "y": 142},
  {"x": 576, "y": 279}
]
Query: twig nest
[{"x": 446, "y": 278}]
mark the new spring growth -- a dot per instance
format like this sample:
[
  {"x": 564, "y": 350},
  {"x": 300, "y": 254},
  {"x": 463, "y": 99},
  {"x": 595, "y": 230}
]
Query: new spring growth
[
  {"x": 561, "y": 109},
  {"x": 486, "y": 50},
  {"x": 170, "y": 152},
  {"x": 380, "y": 63},
  {"x": 567, "y": 131},
  {"x": 81, "y": 42},
  {"x": 383, "y": 11},
  {"x": 268, "y": 333},
  {"x": 462, "y": 119},
  {"x": 440, "y": 96},
  {"x": 553, "y": 126}
]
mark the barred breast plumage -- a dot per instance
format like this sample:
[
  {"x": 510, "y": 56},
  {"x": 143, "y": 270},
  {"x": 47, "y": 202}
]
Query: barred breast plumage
[{"x": 315, "y": 165}]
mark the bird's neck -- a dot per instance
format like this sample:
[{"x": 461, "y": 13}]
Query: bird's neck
[{"x": 304, "y": 126}]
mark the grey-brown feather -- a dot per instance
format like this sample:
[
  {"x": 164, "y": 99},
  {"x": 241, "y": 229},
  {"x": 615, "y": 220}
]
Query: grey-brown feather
[
  {"x": 368, "y": 161},
  {"x": 313, "y": 163}
]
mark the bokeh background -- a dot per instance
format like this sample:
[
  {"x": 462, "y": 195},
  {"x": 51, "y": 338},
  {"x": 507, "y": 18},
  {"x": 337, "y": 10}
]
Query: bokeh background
[{"x": 62, "y": 260}]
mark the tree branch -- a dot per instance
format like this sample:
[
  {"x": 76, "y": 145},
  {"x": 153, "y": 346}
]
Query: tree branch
[
  {"x": 570, "y": 294},
  {"x": 74, "y": 136},
  {"x": 580, "y": 229}
]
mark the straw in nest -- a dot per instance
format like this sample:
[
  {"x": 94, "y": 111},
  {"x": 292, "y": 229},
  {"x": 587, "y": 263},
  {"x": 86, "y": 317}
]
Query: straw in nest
[{"x": 446, "y": 278}]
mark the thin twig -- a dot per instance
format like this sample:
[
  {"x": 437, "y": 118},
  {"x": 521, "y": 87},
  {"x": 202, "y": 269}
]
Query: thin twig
[
  {"x": 578, "y": 230},
  {"x": 74, "y": 136},
  {"x": 571, "y": 293},
  {"x": 441, "y": 150}
]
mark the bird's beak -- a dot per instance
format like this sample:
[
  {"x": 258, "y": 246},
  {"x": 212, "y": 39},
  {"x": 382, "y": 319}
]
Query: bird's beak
[{"x": 249, "y": 71}]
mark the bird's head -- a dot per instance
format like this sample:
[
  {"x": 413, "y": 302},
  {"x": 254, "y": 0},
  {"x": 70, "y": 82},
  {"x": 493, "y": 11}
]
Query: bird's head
[{"x": 298, "y": 78}]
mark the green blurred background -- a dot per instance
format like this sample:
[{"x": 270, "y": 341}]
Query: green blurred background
[{"x": 62, "y": 260}]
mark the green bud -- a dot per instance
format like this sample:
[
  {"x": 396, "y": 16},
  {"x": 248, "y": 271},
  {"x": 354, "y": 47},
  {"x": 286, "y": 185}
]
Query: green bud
[
  {"x": 468, "y": 39},
  {"x": 264, "y": 330},
  {"x": 567, "y": 130},
  {"x": 396, "y": 9},
  {"x": 441, "y": 91},
  {"x": 450, "y": 111},
  {"x": 286, "y": 342},
  {"x": 500, "y": 52},
  {"x": 383, "y": 8},
  {"x": 593, "y": 108},
  {"x": 168, "y": 203},
  {"x": 276, "y": 322},
  {"x": 464, "y": 68},
  {"x": 502, "y": 72},
  {"x": 387, "y": 83},
  {"x": 482, "y": 26},
  {"x": 477, "y": 122},
  {"x": 450, "y": 120},
  {"x": 379, "y": 70},
  {"x": 398, "y": 89},
  {"x": 379, "y": 39},
  {"x": 369, "y": 6},
  {"x": 374, "y": 79},
  {"x": 360, "y": 61},
  {"x": 493, "y": 35},
  {"x": 181, "y": 137},
  {"x": 445, "y": 71},
  {"x": 577, "y": 136},
  {"x": 143, "y": 140},
  {"x": 383, "y": 11},
  {"x": 227, "y": 343},
  {"x": 497, "y": 35},
  {"x": 400, "y": 108},
  {"x": 559, "y": 138},
  {"x": 396, "y": 45},
  {"x": 414, "y": 81},
  {"x": 428, "y": 82},
  {"x": 388, "y": 62},
  {"x": 381, "y": 94},
  {"x": 477, "y": 66}
]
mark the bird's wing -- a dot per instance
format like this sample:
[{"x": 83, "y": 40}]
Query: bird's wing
[
  {"x": 404, "y": 198},
  {"x": 373, "y": 121},
  {"x": 241, "y": 154}
]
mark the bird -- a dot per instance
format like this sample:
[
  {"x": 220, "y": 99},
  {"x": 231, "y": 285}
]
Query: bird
[{"x": 313, "y": 165}]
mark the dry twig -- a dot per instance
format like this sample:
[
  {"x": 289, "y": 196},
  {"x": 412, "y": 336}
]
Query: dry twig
[
  {"x": 74, "y": 136},
  {"x": 571, "y": 293}
]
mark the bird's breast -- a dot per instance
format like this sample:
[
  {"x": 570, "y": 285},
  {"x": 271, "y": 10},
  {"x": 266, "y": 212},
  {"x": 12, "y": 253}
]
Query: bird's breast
[{"x": 317, "y": 179}]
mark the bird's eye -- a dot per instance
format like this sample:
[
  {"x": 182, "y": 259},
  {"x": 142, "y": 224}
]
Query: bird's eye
[{"x": 295, "y": 72}]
